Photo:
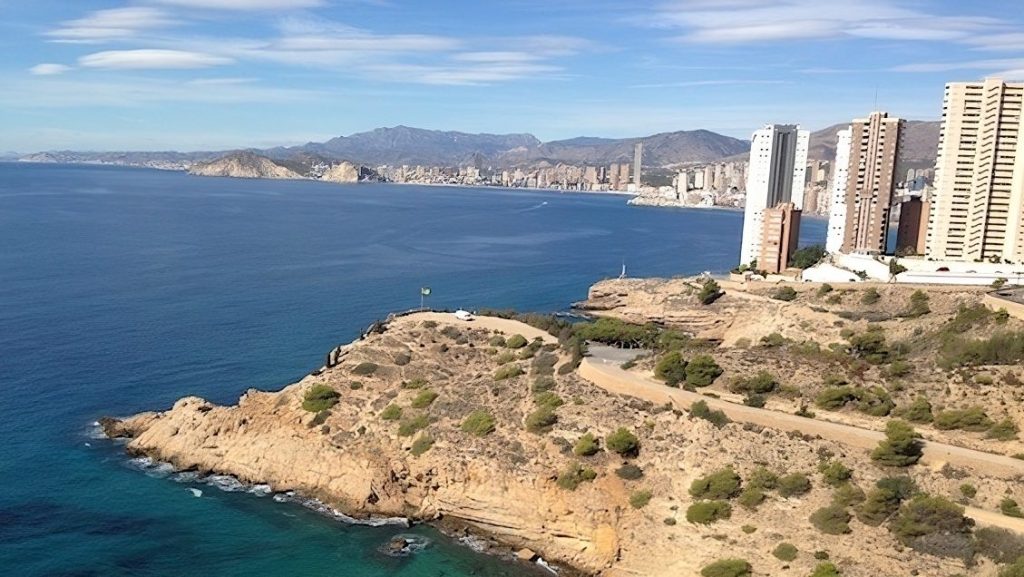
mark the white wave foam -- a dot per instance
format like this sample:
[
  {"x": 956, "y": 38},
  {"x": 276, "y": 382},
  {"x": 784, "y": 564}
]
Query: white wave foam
[
  {"x": 196, "y": 492},
  {"x": 473, "y": 542},
  {"x": 225, "y": 483},
  {"x": 260, "y": 490},
  {"x": 544, "y": 564}
]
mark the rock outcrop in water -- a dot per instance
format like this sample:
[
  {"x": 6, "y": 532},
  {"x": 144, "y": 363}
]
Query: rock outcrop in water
[
  {"x": 244, "y": 164},
  {"x": 437, "y": 419}
]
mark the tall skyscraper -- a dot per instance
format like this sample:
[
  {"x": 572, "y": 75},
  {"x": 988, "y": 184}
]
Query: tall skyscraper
[
  {"x": 873, "y": 151},
  {"x": 778, "y": 163},
  {"x": 976, "y": 211},
  {"x": 837, "y": 204},
  {"x": 638, "y": 156}
]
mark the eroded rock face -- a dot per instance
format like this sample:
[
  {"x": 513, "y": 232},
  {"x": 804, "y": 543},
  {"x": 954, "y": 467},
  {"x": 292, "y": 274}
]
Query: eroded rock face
[
  {"x": 504, "y": 483},
  {"x": 244, "y": 165},
  {"x": 344, "y": 172}
]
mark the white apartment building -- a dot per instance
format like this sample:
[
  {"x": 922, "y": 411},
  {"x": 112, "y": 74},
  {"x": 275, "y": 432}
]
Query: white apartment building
[
  {"x": 775, "y": 174},
  {"x": 840, "y": 179}
]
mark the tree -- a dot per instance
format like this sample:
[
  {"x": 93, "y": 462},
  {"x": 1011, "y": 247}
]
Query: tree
[
  {"x": 722, "y": 484},
  {"x": 710, "y": 292},
  {"x": 671, "y": 368},
  {"x": 895, "y": 268},
  {"x": 927, "y": 515},
  {"x": 623, "y": 442},
  {"x": 702, "y": 370},
  {"x": 586, "y": 446},
  {"x": 785, "y": 294},
  {"x": 901, "y": 447},
  {"x": 808, "y": 256}
]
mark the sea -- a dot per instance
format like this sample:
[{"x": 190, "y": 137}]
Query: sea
[{"x": 123, "y": 289}]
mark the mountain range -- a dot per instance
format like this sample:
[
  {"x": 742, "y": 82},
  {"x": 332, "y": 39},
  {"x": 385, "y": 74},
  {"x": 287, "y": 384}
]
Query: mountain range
[{"x": 414, "y": 146}]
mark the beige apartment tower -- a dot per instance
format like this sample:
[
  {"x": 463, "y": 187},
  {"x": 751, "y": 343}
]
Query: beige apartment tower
[
  {"x": 979, "y": 175},
  {"x": 779, "y": 237},
  {"x": 874, "y": 150}
]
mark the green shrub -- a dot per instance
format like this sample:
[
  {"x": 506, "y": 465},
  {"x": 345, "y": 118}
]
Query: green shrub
[
  {"x": 722, "y": 484},
  {"x": 825, "y": 289},
  {"x": 710, "y": 292},
  {"x": 423, "y": 399},
  {"x": 544, "y": 364},
  {"x": 884, "y": 500},
  {"x": 516, "y": 342},
  {"x": 707, "y": 512},
  {"x": 623, "y": 442},
  {"x": 748, "y": 529},
  {"x": 794, "y": 485},
  {"x": 1000, "y": 348},
  {"x": 422, "y": 444},
  {"x": 751, "y": 498},
  {"x": 918, "y": 411},
  {"x": 507, "y": 372},
  {"x": 586, "y": 446},
  {"x": 417, "y": 383},
  {"x": 927, "y": 515},
  {"x": 479, "y": 423},
  {"x": 825, "y": 569},
  {"x": 785, "y": 552},
  {"x": 759, "y": 384},
  {"x": 763, "y": 479},
  {"x": 391, "y": 413},
  {"x": 899, "y": 368},
  {"x": 505, "y": 358},
  {"x": 402, "y": 359},
  {"x": 1015, "y": 569},
  {"x": 701, "y": 410},
  {"x": 774, "y": 341},
  {"x": 969, "y": 419},
  {"x": 542, "y": 384},
  {"x": 821, "y": 555},
  {"x": 629, "y": 472},
  {"x": 901, "y": 447},
  {"x": 1010, "y": 508},
  {"x": 848, "y": 494},
  {"x": 756, "y": 401},
  {"x": 640, "y": 498},
  {"x": 548, "y": 399},
  {"x": 319, "y": 419},
  {"x": 429, "y": 324},
  {"x": 410, "y": 427},
  {"x": 999, "y": 545},
  {"x": 496, "y": 341},
  {"x": 702, "y": 370},
  {"x": 870, "y": 346},
  {"x": 968, "y": 490},
  {"x": 834, "y": 473},
  {"x": 365, "y": 369},
  {"x": 355, "y": 385},
  {"x": 833, "y": 398},
  {"x": 670, "y": 521},
  {"x": 319, "y": 398},
  {"x": 573, "y": 475},
  {"x": 671, "y": 368},
  {"x": 541, "y": 420},
  {"x": 807, "y": 256},
  {"x": 1005, "y": 430},
  {"x": 786, "y": 294},
  {"x": 832, "y": 520},
  {"x": 918, "y": 305},
  {"x": 870, "y": 296},
  {"x": 727, "y": 568}
]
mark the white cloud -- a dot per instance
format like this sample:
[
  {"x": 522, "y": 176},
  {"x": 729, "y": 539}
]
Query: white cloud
[
  {"x": 48, "y": 69},
  {"x": 245, "y": 4},
  {"x": 112, "y": 24},
  {"x": 151, "y": 59}
]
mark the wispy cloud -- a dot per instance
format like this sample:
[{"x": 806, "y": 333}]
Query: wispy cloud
[
  {"x": 245, "y": 4},
  {"x": 151, "y": 59},
  {"x": 112, "y": 24},
  {"x": 48, "y": 69},
  {"x": 696, "y": 83}
]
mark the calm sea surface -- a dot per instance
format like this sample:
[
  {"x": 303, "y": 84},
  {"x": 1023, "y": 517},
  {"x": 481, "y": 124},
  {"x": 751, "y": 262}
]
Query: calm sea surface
[{"x": 122, "y": 290}]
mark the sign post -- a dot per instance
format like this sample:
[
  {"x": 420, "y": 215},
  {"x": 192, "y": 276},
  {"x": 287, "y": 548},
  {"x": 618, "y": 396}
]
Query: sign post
[{"x": 424, "y": 293}]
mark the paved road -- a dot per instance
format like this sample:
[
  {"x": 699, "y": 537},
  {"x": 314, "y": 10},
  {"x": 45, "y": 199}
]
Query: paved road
[{"x": 602, "y": 369}]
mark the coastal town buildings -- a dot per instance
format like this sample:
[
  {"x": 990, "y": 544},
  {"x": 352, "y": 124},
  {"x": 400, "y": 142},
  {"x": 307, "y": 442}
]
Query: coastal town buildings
[
  {"x": 872, "y": 147},
  {"x": 776, "y": 175},
  {"x": 912, "y": 231},
  {"x": 837, "y": 206},
  {"x": 976, "y": 211},
  {"x": 638, "y": 155},
  {"x": 780, "y": 234}
]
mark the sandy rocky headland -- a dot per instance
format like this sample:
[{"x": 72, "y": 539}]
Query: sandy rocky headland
[{"x": 466, "y": 424}]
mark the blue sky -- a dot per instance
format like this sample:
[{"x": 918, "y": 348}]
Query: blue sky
[{"x": 215, "y": 74}]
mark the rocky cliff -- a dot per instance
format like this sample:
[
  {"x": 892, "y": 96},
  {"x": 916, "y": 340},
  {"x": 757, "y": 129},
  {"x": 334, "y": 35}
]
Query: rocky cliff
[
  {"x": 344, "y": 172},
  {"x": 244, "y": 164},
  {"x": 433, "y": 418}
]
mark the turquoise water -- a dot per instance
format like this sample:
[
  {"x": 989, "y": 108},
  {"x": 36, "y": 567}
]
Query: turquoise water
[{"x": 122, "y": 290}]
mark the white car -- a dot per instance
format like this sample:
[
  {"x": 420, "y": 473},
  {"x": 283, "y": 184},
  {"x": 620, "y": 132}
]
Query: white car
[{"x": 463, "y": 315}]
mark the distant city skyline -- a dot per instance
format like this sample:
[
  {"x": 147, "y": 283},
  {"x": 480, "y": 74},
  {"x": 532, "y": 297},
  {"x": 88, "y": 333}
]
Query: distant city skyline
[{"x": 219, "y": 74}]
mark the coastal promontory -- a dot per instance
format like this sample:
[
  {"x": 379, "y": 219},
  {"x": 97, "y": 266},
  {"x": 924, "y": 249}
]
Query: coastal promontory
[{"x": 243, "y": 164}]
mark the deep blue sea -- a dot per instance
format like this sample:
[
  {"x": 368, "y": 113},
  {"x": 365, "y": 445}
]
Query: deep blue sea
[{"x": 122, "y": 290}]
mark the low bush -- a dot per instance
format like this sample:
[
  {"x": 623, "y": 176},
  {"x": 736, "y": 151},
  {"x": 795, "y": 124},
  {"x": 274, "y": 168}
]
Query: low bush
[
  {"x": 423, "y": 399},
  {"x": 701, "y": 410},
  {"x": 544, "y": 364},
  {"x": 640, "y": 498},
  {"x": 479, "y": 423},
  {"x": 901, "y": 447},
  {"x": 774, "y": 341},
  {"x": 999, "y": 545},
  {"x": 365, "y": 369},
  {"x": 1000, "y": 348},
  {"x": 786, "y": 294},
  {"x": 508, "y": 372},
  {"x": 899, "y": 368},
  {"x": 671, "y": 368},
  {"x": 623, "y": 442},
  {"x": 794, "y": 485},
  {"x": 968, "y": 490},
  {"x": 629, "y": 472},
  {"x": 319, "y": 398},
  {"x": 417, "y": 383},
  {"x": 548, "y": 399},
  {"x": 727, "y": 568},
  {"x": 710, "y": 292},
  {"x": 759, "y": 384},
  {"x": 848, "y": 495},
  {"x": 422, "y": 444},
  {"x": 702, "y": 370},
  {"x": 756, "y": 401},
  {"x": 505, "y": 358},
  {"x": 763, "y": 479},
  {"x": 391, "y": 413},
  {"x": 918, "y": 305},
  {"x": 411, "y": 426},
  {"x": 722, "y": 484},
  {"x": 586, "y": 446},
  {"x": 825, "y": 569},
  {"x": 542, "y": 384},
  {"x": 1010, "y": 508},
  {"x": 832, "y": 520},
  {"x": 825, "y": 289},
  {"x": 918, "y": 411},
  {"x": 1015, "y": 569},
  {"x": 516, "y": 342},
  {"x": 496, "y": 341},
  {"x": 541, "y": 420},
  {"x": 1005, "y": 430},
  {"x": 870, "y": 296},
  {"x": 934, "y": 525},
  {"x": 834, "y": 473},
  {"x": 751, "y": 498},
  {"x": 707, "y": 512},
  {"x": 785, "y": 552},
  {"x": 355, "y": 385},
  {"x": 969, "y": 419},
  {"x": 402, "y": 359},
  {"x": 574, "y": 475}
]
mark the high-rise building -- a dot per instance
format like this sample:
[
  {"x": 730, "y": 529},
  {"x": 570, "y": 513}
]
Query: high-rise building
[
  {"x": 780, "y": 233},
  {"x": 613, "y": 177},
  {"x": 977, "y": 206},
  {"x": 911, "y": 233},
  {"x": 837, "y": 204},
  {"x": 775, "y": 175},
  {"x": 638, "y": 156},
  {"x": 874, "y": 150}
]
